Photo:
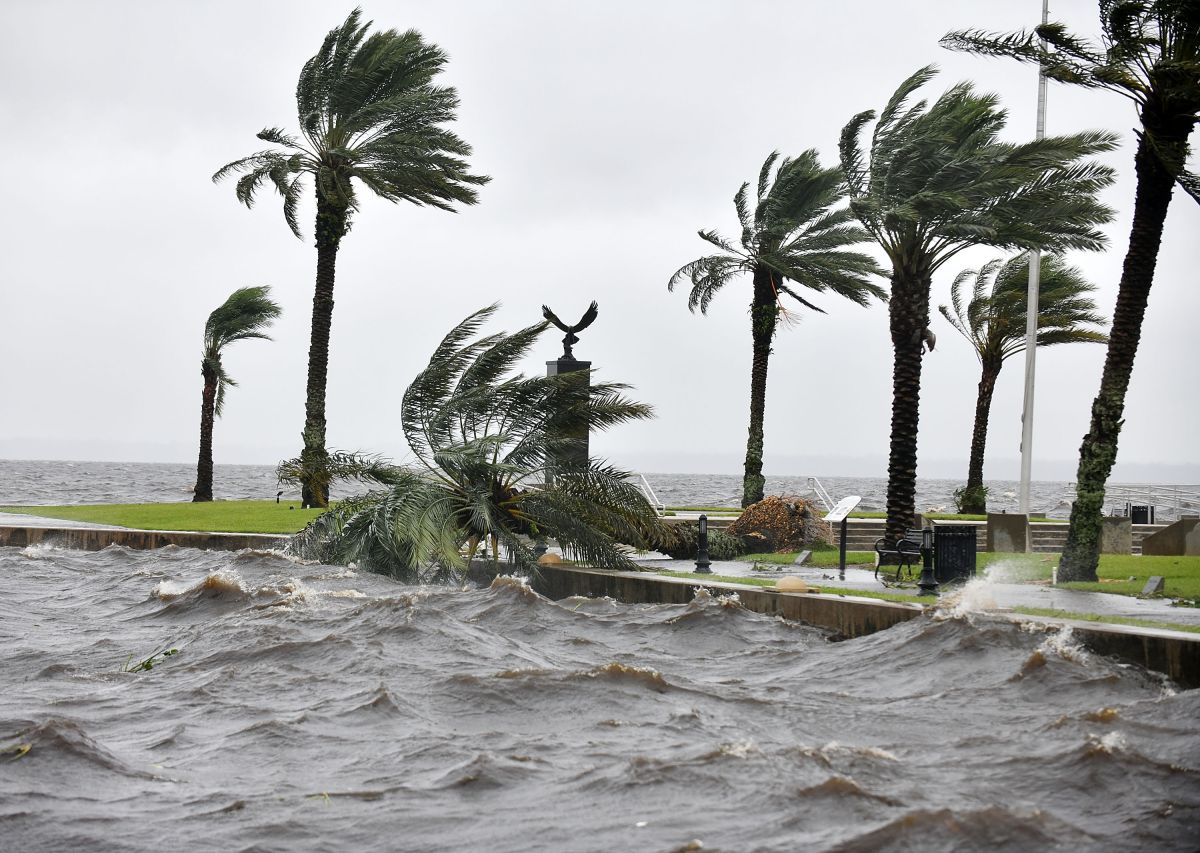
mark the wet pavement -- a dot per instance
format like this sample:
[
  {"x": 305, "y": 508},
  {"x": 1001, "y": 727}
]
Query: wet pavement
[
  {"x": 1003, "y": 595},
  {"x": 16, "y": 519}
]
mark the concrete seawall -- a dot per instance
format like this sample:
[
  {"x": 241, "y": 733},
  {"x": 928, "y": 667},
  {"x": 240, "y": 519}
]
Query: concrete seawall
[
  {"x": 1173, "y": 653},
  {"x": 98, "y": 538}
]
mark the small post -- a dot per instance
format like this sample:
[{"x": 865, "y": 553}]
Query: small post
[
  {"x": 928, "y": 582},
  {"x": 702, "y": 563},
  {"x": 842, "y": 554}
]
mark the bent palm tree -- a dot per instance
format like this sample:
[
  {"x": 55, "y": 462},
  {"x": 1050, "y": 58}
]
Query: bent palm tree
[
  {"x": 994, "y": 324},
  {"x": 793, "y": 236},
  {"x": 368, "y": 112},
  {"x": 245, "y": 315},
  {"x": 1150, "y": 53},
  {"x": 481, "y": 437},
  {"x": 936, "y": 181}
]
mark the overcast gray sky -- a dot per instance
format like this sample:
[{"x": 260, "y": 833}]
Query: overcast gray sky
[{"x": 612, "y": 131}]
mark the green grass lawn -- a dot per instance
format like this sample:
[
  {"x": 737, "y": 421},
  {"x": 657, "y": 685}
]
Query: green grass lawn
[{"x": 220, "y": 516}]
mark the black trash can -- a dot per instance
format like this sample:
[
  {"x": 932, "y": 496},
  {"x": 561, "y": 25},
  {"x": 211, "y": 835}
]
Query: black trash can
[
  {"x": 1141, "y": 514},
  {"x": 953, "y": 552}
]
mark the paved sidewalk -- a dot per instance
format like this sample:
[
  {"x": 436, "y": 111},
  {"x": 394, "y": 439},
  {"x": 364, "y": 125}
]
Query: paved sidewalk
[
  {"x": 14, "y": 519},
  {"x": 983, "y": 592}
]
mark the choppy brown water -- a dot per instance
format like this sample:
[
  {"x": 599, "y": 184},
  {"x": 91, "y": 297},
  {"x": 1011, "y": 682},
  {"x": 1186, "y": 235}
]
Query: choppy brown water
[{"x": 314, "y": 709}]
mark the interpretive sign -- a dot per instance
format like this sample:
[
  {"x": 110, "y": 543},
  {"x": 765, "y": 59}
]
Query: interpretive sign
[{"x": 844, "y": 507}]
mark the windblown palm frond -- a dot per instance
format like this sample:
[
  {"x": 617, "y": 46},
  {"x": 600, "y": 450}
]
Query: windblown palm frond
[
  {"x": 481, "y": 435},
  {"x": 993, "y": 320},
  {"x": 1148, "y": 52},
  {"x": 794, "y": 231},
  {"x": 369, "y": 111},
  {"x": 245, "y": 315}
]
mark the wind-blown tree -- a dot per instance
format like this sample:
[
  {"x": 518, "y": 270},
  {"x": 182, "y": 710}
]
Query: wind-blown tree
[
  {"x": 993, "y": 322},
  {"x": 792, "y": 239},
  {"x": 937, "y": 180},
  {"x": 369, "y": 114},
  {"x": 245, "y": 315},
  {"x": 481, "y": 436},
  {"x": 1149, "y": 52}
]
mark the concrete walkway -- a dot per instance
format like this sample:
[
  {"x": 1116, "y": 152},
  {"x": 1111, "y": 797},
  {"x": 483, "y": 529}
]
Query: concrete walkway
[
  {"x": 1004, "y": 595},
  {"x": 15, "y": 519}
]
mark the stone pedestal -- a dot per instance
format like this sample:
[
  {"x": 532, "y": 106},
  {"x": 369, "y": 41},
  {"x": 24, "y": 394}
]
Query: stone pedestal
[
  {"x": 1008, "y": 533},
  {"x": 578, "y": 453},
  {"x": 1116, "y": 536}
]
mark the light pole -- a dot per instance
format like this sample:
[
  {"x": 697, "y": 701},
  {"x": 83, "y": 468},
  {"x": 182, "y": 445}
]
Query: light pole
[{"x": 1031, "y": 312}]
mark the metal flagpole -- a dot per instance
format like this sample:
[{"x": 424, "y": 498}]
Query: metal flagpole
[{"x": 1031, "y": 312}]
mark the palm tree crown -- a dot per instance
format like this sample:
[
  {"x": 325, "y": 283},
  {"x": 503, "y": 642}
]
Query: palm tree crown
[
  {"x": 993, "y": 321},
  {"x": 937, "y": 180},
  {"x": 793, "y": 239},
  {"x": 244, "y": 316},
  {"x": 367, "y": 110},
  {"x": 794, "y": 233}
]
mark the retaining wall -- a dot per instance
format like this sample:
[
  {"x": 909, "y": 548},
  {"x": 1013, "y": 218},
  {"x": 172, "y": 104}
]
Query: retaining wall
[
  {"x": 1173, "y": 653},
  {"x": 98, "y": 538}
]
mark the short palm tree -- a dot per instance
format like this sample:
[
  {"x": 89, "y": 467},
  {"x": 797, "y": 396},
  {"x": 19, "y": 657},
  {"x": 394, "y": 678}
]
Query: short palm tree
[
  {"x": 937, "y": 180},
  {"x": 369, "y": 114},
  {"x": 993, "y": 322},
  {"x": 792, "y": 239},
  {"x": 481, "y": 436},
  {"x": 245, "y": 315},
  {"x": 1149, "y": 52}
]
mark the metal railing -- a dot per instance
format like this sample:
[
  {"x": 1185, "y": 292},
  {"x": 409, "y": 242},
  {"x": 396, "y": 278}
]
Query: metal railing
[
  {"x": 819, "y": 490},
  {"x": 1170, "y": 500},
  {"x": 648, "y": 492}
]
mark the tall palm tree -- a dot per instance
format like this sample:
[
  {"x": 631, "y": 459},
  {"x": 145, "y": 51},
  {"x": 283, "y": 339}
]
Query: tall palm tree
[
  {"x": 370, "y": 113},
  {"x": 937, "y": 180},
  {"x": 481, "y": 437},
  {"x": 993, "y": 322},
  {"x": 245, "y": 315},
  {"x": 792, "y": 239},
  {"x": 1149, "y": 52}
]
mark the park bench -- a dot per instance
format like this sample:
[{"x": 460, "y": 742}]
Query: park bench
[{"x": 906, "y": 550}]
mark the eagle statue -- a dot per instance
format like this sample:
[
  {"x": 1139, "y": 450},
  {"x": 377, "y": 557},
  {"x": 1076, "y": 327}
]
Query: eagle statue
[{"x": 589, "y": 317}]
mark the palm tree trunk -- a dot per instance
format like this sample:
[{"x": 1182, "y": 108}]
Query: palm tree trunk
[
  {"x": 331, "y": 227},
  {"x": 204, "y": 465},
  {"x": 1081, "y": 554},
  {"x": 908, "y": 311},
  {"x": 973, "y": 498},
  {"x": 764, "y": 313}
]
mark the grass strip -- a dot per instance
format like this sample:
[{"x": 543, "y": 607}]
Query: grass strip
[{"x": 215, "y": 516}]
